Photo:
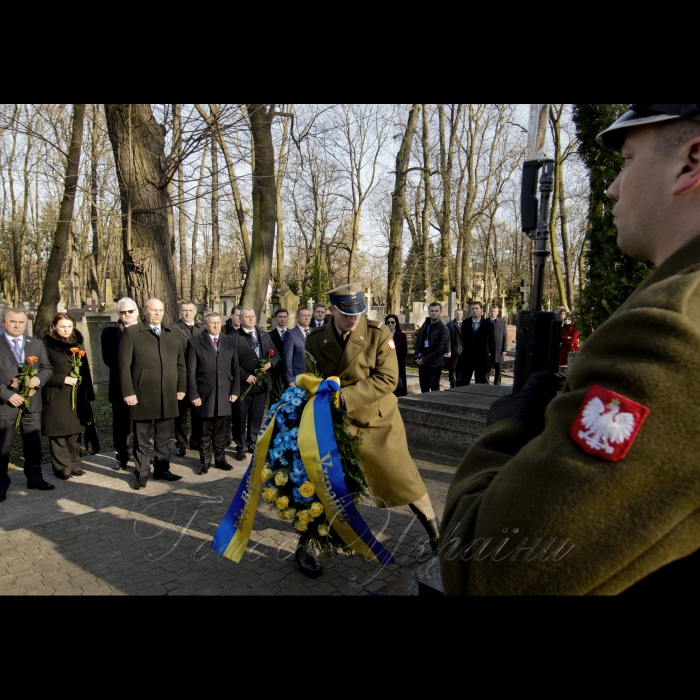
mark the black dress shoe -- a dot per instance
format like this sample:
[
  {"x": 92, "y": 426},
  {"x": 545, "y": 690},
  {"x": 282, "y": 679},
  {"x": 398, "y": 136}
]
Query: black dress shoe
[
  {"x": 240, "y": 456},
  {"x": 121, "y": 464},
  {"x": 80, "y": 472},
  {"x": 308, "y": 564},
  {"x": 42, "y": 485},
  {"x": 251, "y": 450},
  {"x": 167, "y": 475},
  {"x": 432, "y": 527},
  {"x": 140, "y": 483},
  {"x": 61, "y": 475},
  {"x": 203, "y": 469},
  {"x": 181, "y": 452},
  {"x": 223, "y": 465}
]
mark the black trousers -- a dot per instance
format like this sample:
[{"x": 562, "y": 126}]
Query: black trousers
[
  {"x": 30, "y": 429},
  {"x": 65, "y": 454},
  {"x": 213, "y": 434},
  {"x": 161, "y": 444},
  {"x": 246, "y": 419},
  {"x": 453, "y": 369},
  {"x": 496, "y": 373},
  {"x": 121, "y": 429},
  {"x": 181, "y": 425},
  {"x": 480, "y": 374},
  {"x": 429, "y": 378}
]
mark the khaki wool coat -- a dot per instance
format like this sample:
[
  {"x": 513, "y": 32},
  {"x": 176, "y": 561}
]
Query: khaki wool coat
[
  {"x": 624, "y": 519},
  {"x": 368, "y": 372},
  {"x": 153, "y": 369}
]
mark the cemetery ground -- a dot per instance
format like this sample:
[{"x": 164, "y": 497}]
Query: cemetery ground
[{"x": 94, "y": 535}]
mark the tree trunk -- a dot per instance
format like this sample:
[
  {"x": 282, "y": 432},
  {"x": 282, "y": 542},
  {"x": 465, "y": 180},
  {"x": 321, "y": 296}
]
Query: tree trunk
[
  {"x": 264, "y": 207},
  {"x": 425, "y": 225},
  {"x": 555, "y": 121},
  {"x": 94, "y": 218},
  {"x": 398, "y": 206},
  {"x": 195, "y": 227},
  {"x": 51, "y": 294},
  {"x": 279, "y": 179},
  {"x": 182, "y": 219},
  {"x": 138, "y": 143},
  {"x": 214, "y": 277}
]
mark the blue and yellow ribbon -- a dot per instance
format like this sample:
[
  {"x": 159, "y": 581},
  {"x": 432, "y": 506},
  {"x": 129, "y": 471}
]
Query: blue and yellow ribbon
[{"x": 319, "y": 453}]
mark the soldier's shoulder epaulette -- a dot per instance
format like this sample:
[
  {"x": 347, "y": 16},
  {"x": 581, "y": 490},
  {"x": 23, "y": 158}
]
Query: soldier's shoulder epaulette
[{"x": 375, "y": 324}]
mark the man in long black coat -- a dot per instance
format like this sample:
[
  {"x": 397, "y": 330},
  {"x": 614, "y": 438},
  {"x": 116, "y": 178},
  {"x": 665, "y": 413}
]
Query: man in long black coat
[
  {"x": 500, "y": 342},
  {"x": 189, "y": 328},
  {"x": 213, "y": 384},
  {"x": 15, "y": 348},
  {"x": 277, "y": 337},
  {"x": 477, "y": 344},
  {"x": 254, "y": 345},
  {"x": 153, "y": 379},
  {"x": 121, "y": 413}
]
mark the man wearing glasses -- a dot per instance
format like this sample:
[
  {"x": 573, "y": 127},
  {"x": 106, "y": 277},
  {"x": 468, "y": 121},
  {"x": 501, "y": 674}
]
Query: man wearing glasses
[{"x": 121, "y": 421}]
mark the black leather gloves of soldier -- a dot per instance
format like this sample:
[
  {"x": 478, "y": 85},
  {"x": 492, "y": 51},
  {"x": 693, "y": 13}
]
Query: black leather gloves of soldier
[{"x": 529, "y": 404}]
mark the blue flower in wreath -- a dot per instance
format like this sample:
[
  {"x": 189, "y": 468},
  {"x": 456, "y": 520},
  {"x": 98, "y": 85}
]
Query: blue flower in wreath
[{"x": 298, "y": 475}]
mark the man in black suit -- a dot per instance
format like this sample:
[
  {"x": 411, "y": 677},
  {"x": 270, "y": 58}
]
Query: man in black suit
[
  {"x": 189, "y": 328},
  {"x": 254, "y": 345},
  {"x": 294, "y": 359},
  {"x": 319, "y": 319},
  {"x": 234, "y": 322},
  {"x": 454, "y": 349},
  {"x": 213, "y": 384},
  {"x": 15, "y": 348},
  {"x": 477, "y": 344},
  {"x": 153, "y": 379},
  {"x": 121, "y": 413},
  {"x": 500, "y": 343},
  {"x": 277, "y": 336}
]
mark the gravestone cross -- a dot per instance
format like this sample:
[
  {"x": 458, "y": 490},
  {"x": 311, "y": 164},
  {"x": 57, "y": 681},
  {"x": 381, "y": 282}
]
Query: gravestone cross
[{"x": 524, "y": 295}]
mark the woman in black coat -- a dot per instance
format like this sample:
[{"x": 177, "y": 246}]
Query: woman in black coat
[
  {"x": 401, "y": 343},
  {"x": 60, "y": 422}
]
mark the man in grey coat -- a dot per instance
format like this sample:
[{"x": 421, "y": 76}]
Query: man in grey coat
[
  {"x": 500, "y": 344},
  {"x": 153, "y": 379},
  {"x": 213, "y": 384},
  {"x": 15, "y": 348}
]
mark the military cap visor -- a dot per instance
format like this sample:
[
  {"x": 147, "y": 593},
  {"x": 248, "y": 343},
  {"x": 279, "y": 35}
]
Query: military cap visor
[
  {"x": 614, "y": 136},
  {"x": 348, "y": 299}
]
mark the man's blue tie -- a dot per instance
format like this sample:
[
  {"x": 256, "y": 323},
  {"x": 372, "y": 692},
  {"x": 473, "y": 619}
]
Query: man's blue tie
[
  {"x": 17, "y": 350},
  {"x": 156, "y": 330},
  {"x": 256, "y": 344}
]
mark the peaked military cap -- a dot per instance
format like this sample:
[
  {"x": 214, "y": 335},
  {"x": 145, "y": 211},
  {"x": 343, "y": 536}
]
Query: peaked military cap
[
  {"x": 348, "y": 299},
  {"x": 614, "y": 136}
]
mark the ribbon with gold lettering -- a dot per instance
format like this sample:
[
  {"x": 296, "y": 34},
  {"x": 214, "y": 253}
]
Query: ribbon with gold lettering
[
  {"x": 319, "y": 453},
  {"x": 232, "y": 536}
]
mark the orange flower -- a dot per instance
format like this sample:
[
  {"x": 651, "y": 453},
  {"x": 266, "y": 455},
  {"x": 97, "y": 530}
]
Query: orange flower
[
  {"x": 81, "y": 353},
  {"x": 31, "y": 360},
  {"x": 75, "y": 351}
]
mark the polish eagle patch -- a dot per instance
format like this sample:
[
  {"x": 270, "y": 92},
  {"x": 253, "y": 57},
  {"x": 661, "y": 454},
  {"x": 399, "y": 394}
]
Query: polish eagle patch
[
  {"x": 391, "y": 343},
  {"x": 607, "y": 424}
]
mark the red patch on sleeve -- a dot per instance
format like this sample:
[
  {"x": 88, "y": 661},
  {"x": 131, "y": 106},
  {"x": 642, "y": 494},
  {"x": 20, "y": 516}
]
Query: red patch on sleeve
[
  {"x": 391, "y": 343},
  {"x": 607, "y": 424}
]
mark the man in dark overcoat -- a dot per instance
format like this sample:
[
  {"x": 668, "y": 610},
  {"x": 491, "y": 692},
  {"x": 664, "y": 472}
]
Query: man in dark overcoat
[
  {"x": 189, "y": 328},
  {"x": 500, "y": 342},
  {"x": 277, "y": 336},
  {"x": 454, "y": 350},
  {"x": 121, "y": 413},
  {"x": 254, "y": 345},
  {"x": 153, "y": 379},
  {"x": 431, "y": 344},
  {"x": 213, "y": 384},
  {"x": 477, "y": 344},
  {"x": 15, "y": 348},
  {"x": 598, "y": 493},
  {"x": 294, "y": 347}
]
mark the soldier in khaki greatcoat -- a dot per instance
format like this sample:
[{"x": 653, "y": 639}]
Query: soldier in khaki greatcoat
[
  {"x": 602, "y": 493},
  {"x": 361, "y": 353}
]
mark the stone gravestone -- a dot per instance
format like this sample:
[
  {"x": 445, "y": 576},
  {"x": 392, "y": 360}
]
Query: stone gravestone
[
  {"x": 418, "y": 314},
  {"x": 451, "y": 306},
  {"x": 108, "y": 296},
  {"x": 62, "y": 305},
  {"x": 91, "y": 324},
  {"x": 290, "y": 301}
]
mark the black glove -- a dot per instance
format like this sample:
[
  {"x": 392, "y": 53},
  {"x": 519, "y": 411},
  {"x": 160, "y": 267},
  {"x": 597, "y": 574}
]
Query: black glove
[{"x": 529, "y": 404}]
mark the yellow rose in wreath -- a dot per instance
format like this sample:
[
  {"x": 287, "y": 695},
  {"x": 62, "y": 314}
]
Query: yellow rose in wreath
[
  {"x": 307, "y": 489},
  {"x": 305, "y": 516},
  {"x": 322, "y": 531},
  {"x": 302, "y": 527},
  {"x": 281, "y": 478},
  {"x": 270, "y": 493},
  {"x": 266, "y": 473},
  {"x": 316, "y": 509},
  {"x": 282, "y": 502},
  {"x": 287, "y": 514}
]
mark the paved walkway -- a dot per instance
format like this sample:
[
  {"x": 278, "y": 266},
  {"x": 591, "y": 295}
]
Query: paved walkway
[{"x": 94, "y": 535}]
